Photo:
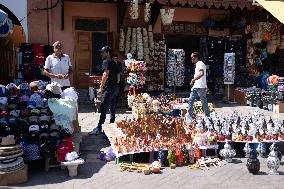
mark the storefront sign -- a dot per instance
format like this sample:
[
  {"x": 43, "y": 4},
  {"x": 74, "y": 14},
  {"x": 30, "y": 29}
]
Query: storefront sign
[{"x": 191, "y": 28}]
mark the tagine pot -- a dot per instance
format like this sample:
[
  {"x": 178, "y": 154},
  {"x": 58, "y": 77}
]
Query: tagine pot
[{"x": 253, "y": 164}]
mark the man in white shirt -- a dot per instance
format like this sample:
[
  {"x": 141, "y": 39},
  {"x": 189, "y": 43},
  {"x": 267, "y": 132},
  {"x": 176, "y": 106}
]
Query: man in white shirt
[
  {"x": 199, "y": 85},
  {"x": 58, "y": 66}
]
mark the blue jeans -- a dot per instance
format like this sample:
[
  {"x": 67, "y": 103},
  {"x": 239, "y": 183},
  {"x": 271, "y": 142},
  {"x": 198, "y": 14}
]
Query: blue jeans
[
  {"x": 201, "y": 92},
  {"x": 109, "y": 97}
]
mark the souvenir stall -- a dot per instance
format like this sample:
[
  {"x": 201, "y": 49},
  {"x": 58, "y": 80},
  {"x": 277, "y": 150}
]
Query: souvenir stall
[{"x": 38, "y": 122}]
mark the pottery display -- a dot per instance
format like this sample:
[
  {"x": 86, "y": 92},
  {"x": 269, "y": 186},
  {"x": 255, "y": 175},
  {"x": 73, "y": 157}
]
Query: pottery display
[
  {"x": 247, "y": 149},
  {"x": 261, "y": 149}
]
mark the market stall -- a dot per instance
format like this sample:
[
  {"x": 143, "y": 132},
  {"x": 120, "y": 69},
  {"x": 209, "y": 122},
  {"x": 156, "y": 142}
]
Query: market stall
[{"x": 38, "y": 121}]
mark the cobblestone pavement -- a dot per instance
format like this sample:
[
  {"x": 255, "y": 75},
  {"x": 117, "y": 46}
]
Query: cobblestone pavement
[{"x": 99, "y": 174}]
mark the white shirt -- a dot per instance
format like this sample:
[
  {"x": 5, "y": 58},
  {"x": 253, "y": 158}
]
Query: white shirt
[
  {"x": 58, "y": 66},
  {"x": 201, "y": 82}
]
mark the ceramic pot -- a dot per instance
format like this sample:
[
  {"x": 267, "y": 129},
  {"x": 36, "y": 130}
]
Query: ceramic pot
[
  {"x": 261, "y": 149},
  {"x": 247, "y": 149},
  {"x": 273, "y": 163},
  {"x": 227, "y": 153},
  {"x": 253, "y": 164}
]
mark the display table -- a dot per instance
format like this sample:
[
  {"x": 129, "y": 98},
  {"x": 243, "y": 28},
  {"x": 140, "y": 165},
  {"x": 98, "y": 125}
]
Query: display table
[{"x": 209, "y": 147}]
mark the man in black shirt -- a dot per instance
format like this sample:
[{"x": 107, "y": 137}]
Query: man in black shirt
[{"x": 109, "y": 88}]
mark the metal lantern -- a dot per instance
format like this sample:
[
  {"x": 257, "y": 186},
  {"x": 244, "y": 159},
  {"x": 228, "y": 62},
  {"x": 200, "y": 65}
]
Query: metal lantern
[
  {"x": 147, "y": 12},
  {"x": 167, "y": 16},
  {"x": 134, "y": 9},
  {"x": 227, "y": 153}
]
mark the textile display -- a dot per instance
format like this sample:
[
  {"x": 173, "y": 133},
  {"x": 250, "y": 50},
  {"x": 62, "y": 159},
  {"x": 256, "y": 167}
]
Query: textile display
[
  {"x": 229, "y": 68},
  {"x": 175, "y": 67}
]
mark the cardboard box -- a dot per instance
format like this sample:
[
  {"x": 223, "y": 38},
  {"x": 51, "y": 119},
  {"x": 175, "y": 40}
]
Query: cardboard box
[
  {"x": 16, "y": 177},
  {"x": 240, "y": 97}
]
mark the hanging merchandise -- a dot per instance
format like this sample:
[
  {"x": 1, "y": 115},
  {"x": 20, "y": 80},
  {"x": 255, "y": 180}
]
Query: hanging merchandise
[
  {"x": 229, "y": 68},
  {"x": 151, "y": 37},
  {"x": 134, "y": 9},
  {"x": 167, "y": 15},
  {"x": 133, "y": 42},
  {"x": 147, "y": 12},
  {"x": 127, "y": 43},
  {"x": 175, "y": 67},
  {"x": 139, "y": 44},
  {"x": 121, "y": 40},
  {"x": 146, "y": 46}
]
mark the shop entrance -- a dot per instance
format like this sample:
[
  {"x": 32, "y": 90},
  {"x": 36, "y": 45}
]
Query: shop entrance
[{"x": 189, "y": 44}]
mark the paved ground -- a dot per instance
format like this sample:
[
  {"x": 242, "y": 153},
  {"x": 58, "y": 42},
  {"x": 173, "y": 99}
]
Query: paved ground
[{"x": 99, "y": 174}]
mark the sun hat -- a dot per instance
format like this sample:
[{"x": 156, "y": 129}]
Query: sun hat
[
  {"x": 37, "y": 99},
  {"x": 8, "y": 140},
  {"x": 12, "y": 89},
  {"x": 55, "y": 88},
  {"x": 57, "y": 44}
]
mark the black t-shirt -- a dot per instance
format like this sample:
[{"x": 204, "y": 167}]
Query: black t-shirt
[{"x": 114, "y": 69}]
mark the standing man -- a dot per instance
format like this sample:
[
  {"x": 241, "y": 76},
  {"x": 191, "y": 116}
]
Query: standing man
[
  {"x": 121, "y": 66},
  {"x": 199, "y": 85},
  {"x": 109, "y": 88},
  {"x": 58, "y": 66}
]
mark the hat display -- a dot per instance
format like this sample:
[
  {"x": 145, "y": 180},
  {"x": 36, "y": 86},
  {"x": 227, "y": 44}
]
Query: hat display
[
  {"x": 15, "y": 113},
  {"x": 12, "y": 89},
  {"x": 33, "y": 119},
  {"x": 4, "y": 100},
  {"x": 35, "y": 112},
  {"x": 25, "y": 113},
  {"x": 24, "y": 98},
  {"x": 55, "y": 88},
  {"x": 44, "y": 119},
  {"x": 37, "y": 99},
  {"x": 31, "y": 104},
  {"x": 24, "y": 88}
]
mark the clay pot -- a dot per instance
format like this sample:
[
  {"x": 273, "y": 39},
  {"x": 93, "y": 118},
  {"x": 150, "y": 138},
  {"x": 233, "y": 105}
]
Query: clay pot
[{"x": 253, "y": 164}]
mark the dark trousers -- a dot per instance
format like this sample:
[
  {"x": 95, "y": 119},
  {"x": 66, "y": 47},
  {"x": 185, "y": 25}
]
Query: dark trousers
[
  {"x": 108, "y": 102},
  {"x": 64, "y": 87}
]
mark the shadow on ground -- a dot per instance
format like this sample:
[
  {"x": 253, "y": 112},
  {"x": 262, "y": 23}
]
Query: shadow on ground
[{"x": 90, "y": 150}]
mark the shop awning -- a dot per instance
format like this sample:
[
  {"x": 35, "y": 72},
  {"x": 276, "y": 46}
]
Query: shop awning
[
  {"x": 209, "y": 3},
  {"x": 6, "y": 25},
  {"x": 276, "y": 8}
]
